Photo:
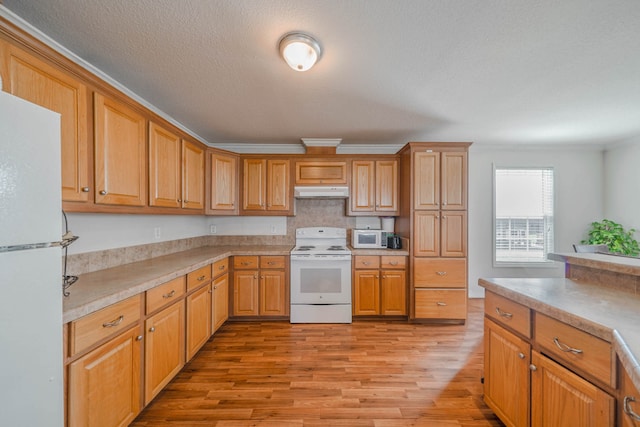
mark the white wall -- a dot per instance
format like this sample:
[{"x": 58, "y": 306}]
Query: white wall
[
  {"x": 110, "y": 231},
  {"x": 622, "y": 184},
  {"x": 578, "y": 201}
]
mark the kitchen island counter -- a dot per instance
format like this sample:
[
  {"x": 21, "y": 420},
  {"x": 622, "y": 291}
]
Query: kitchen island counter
[
  {"x": 99, "y": 289},
  {"x": 605, "y": 312}
]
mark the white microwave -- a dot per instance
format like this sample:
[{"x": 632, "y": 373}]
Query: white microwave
[{"x": 368, "y": 238}]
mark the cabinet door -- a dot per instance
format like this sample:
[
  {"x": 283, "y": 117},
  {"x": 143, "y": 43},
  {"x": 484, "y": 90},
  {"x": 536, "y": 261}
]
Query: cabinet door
[
  {"x": 366, "y": 292},
  {"x": 36, "y": 81},
  {"x": 393, "y": 291},
  {"x": 278, "y": 174},
  {"x": 426, "y": 180},
  {"x": 220, "y": 301},
  {"x": 362, "y": 186},
  {"x": 273, "y": 299},
  {"x": 192, "y": 176},
  {"x": 254, "y": 184},
  {"x": 454, "y": 180},
  {"x": 104, "y": 385},
  {"x": 164, "y": 168},
  {"x": 164, "y": 348},
  {"x": 426, "y": 234},
  {"x": 453, "y": 239},
  {"x": 506, "y": 374},
  {"x": 245, "y": 293},
  {"x": 629, "y": 401},
  {"x": 223, "y": 194},
  {"x": 560, "y": 398},
  {"x": 120, "y": 154},
  {"x": 198, "y": 319},
  {"x": 386, "y": 186}
]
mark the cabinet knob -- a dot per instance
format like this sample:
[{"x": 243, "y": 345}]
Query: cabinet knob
[
  {"x": 521, "y": 355},
  {"x": 152, "y": 329},
  {"x": 103, "y": 192},
  {"x": 85, "y": 189},
  {"x": 139, "y": 338},
  {"x": 179, "y": 200},
  {"x": 186, "y": 201},
  {"x": 533, "y": 367},
  {"x": 444, "y": 203}
]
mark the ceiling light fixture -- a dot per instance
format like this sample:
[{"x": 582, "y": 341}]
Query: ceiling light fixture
[{"x": 299, "y": 50}]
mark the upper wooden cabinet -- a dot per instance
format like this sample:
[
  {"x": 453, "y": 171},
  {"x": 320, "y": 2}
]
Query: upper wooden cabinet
[
  {"x": 176, "y": 170},
  {"x": 321, "y": 172},
  {"x": 164, "y": 167},
  {"x": 374, "y": 187},
  {"x": 222, "y": 181},
  {"x": 120, "y": 154},
  {"x": 192, "y": 175},
  {"x": 440, "y": 180},
  {"x": 36, "y": 81},
  {"x": 265, "y": 186}
]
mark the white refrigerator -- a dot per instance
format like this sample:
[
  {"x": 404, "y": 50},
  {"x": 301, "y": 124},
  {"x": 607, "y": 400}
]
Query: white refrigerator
[{"x": 31, "y": 364}]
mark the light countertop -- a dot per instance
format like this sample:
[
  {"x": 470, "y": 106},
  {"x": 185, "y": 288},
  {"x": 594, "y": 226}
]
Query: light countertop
[
  {"x": 99, "y": 289},
  {"x": 607, "y": 313}
]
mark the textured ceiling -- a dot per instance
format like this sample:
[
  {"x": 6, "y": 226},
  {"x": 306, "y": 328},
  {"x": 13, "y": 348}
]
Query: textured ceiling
[{"x": 488, "y": 71}]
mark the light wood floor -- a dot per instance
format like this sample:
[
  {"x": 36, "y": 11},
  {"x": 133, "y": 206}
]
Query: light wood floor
[{"x": 369, "y": 373}]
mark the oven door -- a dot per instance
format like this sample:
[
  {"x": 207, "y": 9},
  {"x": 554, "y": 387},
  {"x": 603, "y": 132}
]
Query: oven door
[{"x": 318, "y": 279}]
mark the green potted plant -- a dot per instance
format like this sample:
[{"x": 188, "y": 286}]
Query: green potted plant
[{"x": 612, "y": 234}]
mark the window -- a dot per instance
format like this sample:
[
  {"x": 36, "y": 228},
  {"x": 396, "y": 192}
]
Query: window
[{"x": 523, "y": 209}]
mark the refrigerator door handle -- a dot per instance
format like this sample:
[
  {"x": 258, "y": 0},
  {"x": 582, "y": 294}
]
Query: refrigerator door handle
[{"x": 67, "y": 239}]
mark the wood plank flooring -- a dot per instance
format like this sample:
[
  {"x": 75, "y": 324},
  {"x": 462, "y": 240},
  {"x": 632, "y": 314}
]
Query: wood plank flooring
[{"x": 369, "y": 373}]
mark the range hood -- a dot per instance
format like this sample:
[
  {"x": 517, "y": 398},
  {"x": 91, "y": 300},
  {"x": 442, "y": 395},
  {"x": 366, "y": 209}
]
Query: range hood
[{"x": 326, "y": 192}]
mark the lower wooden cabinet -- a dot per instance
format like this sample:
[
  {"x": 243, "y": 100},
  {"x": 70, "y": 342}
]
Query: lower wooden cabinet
[
  {"x": 379, "y": 286},
  {"x": 527, "y": 388},
  {"x": 198, "y": 319},
  {"x": 220, "y": 301},
  {"x": 104, "y": 385},
  {"x": 506, "y": 370},
  {"x": 164, "y": 348},
  {"x": 628, "y": 402},
  {"x": 260, "y": 286},
  {"x": 561, "y": 398}
]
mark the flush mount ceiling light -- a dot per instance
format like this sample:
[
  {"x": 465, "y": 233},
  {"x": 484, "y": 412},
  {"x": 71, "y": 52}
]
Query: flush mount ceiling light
[{"x": 299, "y": 50}]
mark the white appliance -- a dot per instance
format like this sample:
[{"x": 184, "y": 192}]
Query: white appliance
[
  {"x": 320, "y": 276},
  {"x": 30, "y": 266},
  {"x": 322, "y": 192},
  {"x": 371, "y": 239}
]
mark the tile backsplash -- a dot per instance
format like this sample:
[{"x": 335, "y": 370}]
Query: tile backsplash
[{"x": 309, "y": 213}]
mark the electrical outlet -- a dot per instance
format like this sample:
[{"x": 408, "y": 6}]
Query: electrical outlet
[
  {"x": 212, "y": 229},
  {"x": 156, "y": 232},
  {"x": 273, "y": 229}
]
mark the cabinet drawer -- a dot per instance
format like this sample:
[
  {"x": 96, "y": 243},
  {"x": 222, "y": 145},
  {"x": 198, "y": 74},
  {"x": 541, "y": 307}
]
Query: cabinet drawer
[
  {"x": 272, "y": 261},
  {"x": 589, "y": 354},
  {"x": 245, "y": 262},
  {"x": 165, "y": 294},
  {"x": 198, "y": 277},
  {"x": 220, "y": 267},
  {"x": 368, "y": 261},
  {"x": 504, "y": 311},
  {"x": 94, "y": 327},
  {"x": 440, "y": 304},
  {"x": 388, "y": 261},
  {"x": 439, "y": 273}
]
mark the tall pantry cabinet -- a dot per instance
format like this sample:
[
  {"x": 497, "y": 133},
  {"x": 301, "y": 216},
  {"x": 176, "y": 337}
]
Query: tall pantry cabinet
[{"x": 433, "y": 216}]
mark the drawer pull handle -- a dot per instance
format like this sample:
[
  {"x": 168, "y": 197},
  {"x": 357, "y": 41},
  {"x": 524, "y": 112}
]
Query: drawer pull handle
[
  {"x": 201, "y": 278},
  {"x": 271, "y": 263},
  {"x": 366, "y": 262},
  {"x": 627, "y": 408},
  {"x": 504, "y": 314},
  {"x": 393, "y": 262},
  {"x": 221, "y": 267},
  {"x": 441, "y": 273},
  {"x": 169, "y": 295},
  {"x": 245, "y": 263},
  {"x": 113, "y": 322},
  {"x": 441, "y": 304},
  {"x": 565, "y": 347}
]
